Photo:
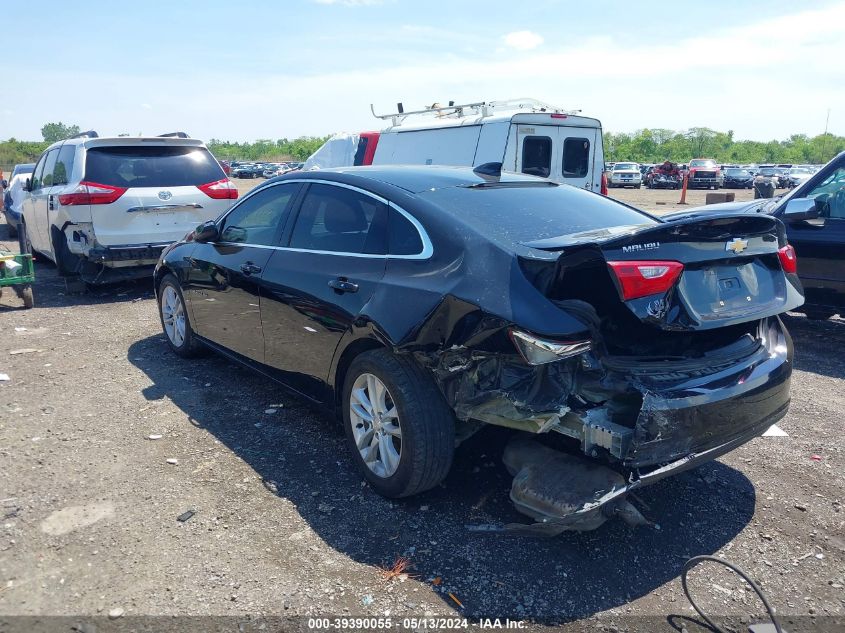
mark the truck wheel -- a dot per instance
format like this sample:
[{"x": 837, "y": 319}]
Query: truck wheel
[{"x": 398, "y": 427}]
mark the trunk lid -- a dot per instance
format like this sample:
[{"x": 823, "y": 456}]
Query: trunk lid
[
  {"x": 732, "y": 272},
  {"x": 153, "y": 215},
  {"x": 160, "y": 179}
]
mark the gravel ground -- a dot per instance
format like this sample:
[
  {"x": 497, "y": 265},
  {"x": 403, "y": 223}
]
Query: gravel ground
[{"x": 284, "y": 526}]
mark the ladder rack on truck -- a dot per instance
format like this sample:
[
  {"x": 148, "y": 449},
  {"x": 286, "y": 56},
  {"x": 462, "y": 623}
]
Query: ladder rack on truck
[{"x": 483, "y": 108}]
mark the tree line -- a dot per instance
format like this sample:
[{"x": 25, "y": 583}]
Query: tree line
[
  {"x": 657, "y": 145},
  {"x": 644, "y": 146}
]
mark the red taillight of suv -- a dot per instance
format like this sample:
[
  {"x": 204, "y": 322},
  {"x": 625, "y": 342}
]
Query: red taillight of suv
[
  {"x": 643, "y": 278},
  {"x": 788, "y": 259},
  {"x": 220, "y": 189},
  {"x": 91, "y": 193}
]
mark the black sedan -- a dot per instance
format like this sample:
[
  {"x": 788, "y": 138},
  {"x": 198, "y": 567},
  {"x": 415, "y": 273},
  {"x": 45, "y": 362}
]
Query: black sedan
[
  {"x": 814, "y": 215},
  {"x": 738, "y": 179},
  {"x": 422, "y": 303}
]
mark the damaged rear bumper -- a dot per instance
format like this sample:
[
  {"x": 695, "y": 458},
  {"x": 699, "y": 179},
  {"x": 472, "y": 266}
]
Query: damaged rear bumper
[
  {"x": 592, "y": 510},
  {"x": 636, "y": 423}
]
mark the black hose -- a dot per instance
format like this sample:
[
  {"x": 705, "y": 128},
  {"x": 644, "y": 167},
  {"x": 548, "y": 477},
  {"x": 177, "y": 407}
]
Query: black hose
[{"x": 692, "y": 562}]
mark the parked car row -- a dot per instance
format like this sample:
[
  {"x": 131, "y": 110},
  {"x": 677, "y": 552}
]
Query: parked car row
[
  {"x": 705, "y": 173},
  {"x": 262, "y": 170}
]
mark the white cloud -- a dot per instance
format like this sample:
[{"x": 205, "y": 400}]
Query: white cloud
[
  {"x": 626, "y": 86},
  {"x": 146, "y": 106},
  {"x": 523, "y": 40}
]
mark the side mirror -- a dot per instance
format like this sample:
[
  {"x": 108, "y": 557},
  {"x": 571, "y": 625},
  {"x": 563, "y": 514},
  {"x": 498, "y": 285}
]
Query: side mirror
[
  {"x": 206, "y": 232},
  {"x": 27, "y": 186},
  {"x": 799, "y": 209},
  {"x": 4, "y": 184}
]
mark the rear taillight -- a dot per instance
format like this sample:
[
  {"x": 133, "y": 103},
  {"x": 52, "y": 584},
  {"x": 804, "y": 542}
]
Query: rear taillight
[
  {"x": 91, "y": 193},
  {"x": 220, "y": 189},
  {"x": 788, "y": 260},
  {"x": 644, "y": 278},
  {"x": 603, "y": 184}
]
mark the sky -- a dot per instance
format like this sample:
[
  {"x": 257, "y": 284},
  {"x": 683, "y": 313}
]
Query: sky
[{"x": 242, "y": 71}]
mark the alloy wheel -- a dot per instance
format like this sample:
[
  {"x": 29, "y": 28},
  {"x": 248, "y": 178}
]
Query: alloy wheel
[
  {"x": 173, "y": 316},
  {"x": 375, "y": 425}
]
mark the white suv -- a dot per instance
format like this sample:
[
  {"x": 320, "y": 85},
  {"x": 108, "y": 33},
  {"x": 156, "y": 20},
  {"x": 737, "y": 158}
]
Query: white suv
[{"x": 104, "y": 208}]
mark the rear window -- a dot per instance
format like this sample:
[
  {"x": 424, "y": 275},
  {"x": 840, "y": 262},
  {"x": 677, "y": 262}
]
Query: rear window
[
  {"x": 576, "y": 157},
  {"x": 520, "y": 213},
  {"x": 152, "y": 166}
]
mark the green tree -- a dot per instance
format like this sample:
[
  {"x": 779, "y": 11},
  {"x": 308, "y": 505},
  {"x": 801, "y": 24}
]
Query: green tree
[{"x": 53, "y": 132}]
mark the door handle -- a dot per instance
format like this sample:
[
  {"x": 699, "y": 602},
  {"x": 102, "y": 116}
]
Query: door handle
[
  {"x": 342, "y": 284},
  {"x": 51, "y": 203},
  {"x": 248, "y": 268}
]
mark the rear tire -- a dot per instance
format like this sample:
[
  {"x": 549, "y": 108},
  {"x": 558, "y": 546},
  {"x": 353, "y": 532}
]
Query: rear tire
[
  {"x": 173, "y": 313},
  {"x": 421, "y": 429}
]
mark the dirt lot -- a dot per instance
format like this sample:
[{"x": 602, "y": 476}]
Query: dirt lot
[{"x": 284, "y": 526}]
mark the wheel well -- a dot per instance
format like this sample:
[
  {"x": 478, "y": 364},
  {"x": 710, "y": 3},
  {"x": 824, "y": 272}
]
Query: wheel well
[
  {"x": 355, "y": 349},
  {"x": 160, "y": 274}
]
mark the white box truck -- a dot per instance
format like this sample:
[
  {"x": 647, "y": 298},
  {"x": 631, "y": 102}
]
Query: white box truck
[{"x": 524, "y": 135}]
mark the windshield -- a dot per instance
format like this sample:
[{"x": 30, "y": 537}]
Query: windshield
[
  {"x": 800, "y": 170},
  {"x": 702, "y": 162},
  {"x": 737, "y": 172},
  {"x": 625, "y": 166}
]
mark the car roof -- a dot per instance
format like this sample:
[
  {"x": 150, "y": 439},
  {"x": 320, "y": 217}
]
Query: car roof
[{"x": 412, "y": 178}]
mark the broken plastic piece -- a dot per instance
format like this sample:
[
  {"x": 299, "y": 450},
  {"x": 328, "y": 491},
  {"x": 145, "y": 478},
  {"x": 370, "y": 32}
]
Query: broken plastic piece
[{"x": 185, "y": 516}]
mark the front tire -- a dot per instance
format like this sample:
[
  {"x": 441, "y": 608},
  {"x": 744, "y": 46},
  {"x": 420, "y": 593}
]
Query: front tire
[
  {"x": 175, "y": 322},
  {"x": 398, "y": 427}
]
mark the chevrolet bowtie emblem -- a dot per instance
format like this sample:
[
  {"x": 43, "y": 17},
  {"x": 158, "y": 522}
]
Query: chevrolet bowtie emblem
[{"x": 736, "y": 245}]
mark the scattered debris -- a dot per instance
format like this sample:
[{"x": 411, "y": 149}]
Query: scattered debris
[
  {"x": 457, "y": 602},
  {"x": 24, "y": 350},
  {"x": 775, "y": 431},
  {"x": 269, "y": 411},
  {"x": 799, "y": 506},
  {"x": 816, "y": 458},
  {"x": 154, "y": 436},
  {"x": 820, "y": 556},
  {"x": 185, "y": 516},
  {"x": 20, "y": 329},
  {"x": 437, "y": 581},
  {"x": 4, "y": 378},
  {"x": 116, "y": 613},
  {"x": 325, "y": 508},
  {"x": 397, "y": 570},
  {"x": 172, "y": 460},
  {"x": 367, "y": 600}
]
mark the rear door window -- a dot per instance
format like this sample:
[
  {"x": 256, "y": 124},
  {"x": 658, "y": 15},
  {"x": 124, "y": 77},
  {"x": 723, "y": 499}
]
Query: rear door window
[
  {"x": 64, "y": 165},
  {"x": 537, "y": 156},
  {"x": 259, "y": 218},
  {"x": 340, "y": 220},
  {"x": 152, "y": 166},
  {"x": 49, "y": 166},
  {"x": 576, "y": 157}
]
